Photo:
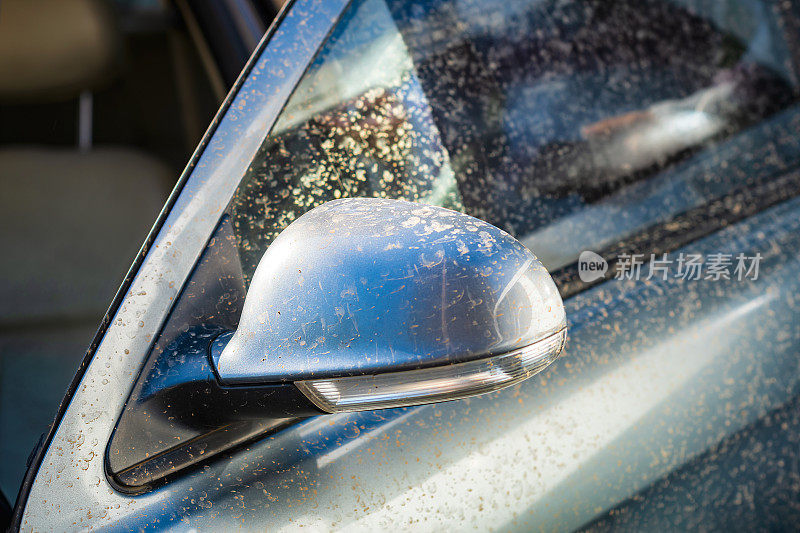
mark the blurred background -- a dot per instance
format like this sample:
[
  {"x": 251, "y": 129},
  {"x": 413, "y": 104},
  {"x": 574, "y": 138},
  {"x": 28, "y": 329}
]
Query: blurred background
[{"x": 101, "y": 105}]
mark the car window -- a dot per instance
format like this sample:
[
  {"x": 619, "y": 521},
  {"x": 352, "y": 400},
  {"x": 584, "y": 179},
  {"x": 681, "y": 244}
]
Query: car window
[
  {"x": 571, "y": 125},
  {"x": 102, "y": 104}
]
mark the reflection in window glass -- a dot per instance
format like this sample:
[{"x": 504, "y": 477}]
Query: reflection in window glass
[{"x": 569, "y": 124}]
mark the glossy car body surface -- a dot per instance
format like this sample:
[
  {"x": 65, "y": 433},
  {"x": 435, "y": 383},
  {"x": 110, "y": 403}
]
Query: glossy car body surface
[{"x": 621, "y": 411}]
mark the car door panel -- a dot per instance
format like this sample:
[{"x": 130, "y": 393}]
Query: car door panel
[{"x": 620, "y": 411}]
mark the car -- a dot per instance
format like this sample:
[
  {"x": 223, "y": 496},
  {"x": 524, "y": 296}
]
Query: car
[{"x": 448, "y": 265}]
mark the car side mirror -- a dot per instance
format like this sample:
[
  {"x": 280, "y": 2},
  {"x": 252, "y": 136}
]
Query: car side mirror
[
  {"x": 368, "y": 303},
  {"x": 358, "y": 304}
]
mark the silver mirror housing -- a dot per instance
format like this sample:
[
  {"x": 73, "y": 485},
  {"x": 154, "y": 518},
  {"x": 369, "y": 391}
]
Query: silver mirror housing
[{"x": 368, "y": 303}]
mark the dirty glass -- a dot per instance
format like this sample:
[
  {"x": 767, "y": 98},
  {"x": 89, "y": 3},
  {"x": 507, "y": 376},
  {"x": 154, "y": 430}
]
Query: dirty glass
[{"x": 568, "y": 124}]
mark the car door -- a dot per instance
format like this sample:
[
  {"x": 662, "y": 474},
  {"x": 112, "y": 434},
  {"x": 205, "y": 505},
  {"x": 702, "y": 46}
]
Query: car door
[{"x": 647, "y": 152}]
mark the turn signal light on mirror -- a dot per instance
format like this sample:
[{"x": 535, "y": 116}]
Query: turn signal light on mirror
[{"x": 437, "y": 384}]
